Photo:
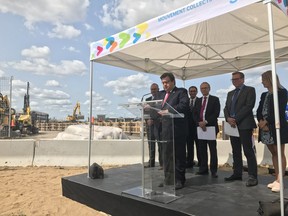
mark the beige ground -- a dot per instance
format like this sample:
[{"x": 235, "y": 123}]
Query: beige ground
[{"x": 37, "y": 191}]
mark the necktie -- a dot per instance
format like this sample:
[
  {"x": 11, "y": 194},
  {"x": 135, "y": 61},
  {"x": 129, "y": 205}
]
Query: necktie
[
  {"x": 191, "y": 104},
  {"x": 166, "y": 97},
  {"x": 235, "y": 96},
  {"x": 202, "y": 108}
]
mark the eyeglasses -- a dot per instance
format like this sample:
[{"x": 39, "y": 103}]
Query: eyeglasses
[{"x": 236, "y": 79}]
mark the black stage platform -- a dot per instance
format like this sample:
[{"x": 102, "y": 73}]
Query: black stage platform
[{"x": 202, "y": 195}]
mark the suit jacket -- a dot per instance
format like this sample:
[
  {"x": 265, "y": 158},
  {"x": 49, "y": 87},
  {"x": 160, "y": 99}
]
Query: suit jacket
[
  {"x": 282, "y": 101},
  {"x": 243, "y": 107},
  {"x": 178, "y": 100},
  {"x": 191, "y": 121},
  {"x": 211, "y": 114}
]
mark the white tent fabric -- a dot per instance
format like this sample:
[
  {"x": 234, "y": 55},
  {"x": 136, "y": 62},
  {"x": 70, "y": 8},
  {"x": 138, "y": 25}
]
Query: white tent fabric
[{"x": 204, "y": 38}]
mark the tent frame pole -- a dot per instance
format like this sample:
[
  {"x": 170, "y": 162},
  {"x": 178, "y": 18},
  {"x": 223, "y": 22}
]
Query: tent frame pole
[
  {"x": 90, "y": 117},
  {"x": 275, "y": 98}
]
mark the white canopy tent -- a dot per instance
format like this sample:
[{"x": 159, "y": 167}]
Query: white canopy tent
[
  {"x": 210, "y": 39},
  {"x": 203, "y": 38}
]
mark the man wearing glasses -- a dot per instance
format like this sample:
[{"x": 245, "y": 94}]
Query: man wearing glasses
[{"x": 238, "y": 112}]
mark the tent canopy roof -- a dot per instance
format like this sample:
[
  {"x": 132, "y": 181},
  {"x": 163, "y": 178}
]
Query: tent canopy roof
[{"x": 226, "y": 42}]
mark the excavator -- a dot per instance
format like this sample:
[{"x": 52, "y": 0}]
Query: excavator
[
  {"x": 5, "y": 110},
  {"x": 75, "y": 117},
  {"x": 26, "y": 122}
]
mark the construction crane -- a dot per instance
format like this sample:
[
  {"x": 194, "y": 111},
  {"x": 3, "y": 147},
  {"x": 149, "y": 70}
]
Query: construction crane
[
  {"x": 76, "y": 115},
  {"x": 26, "y": 121}
]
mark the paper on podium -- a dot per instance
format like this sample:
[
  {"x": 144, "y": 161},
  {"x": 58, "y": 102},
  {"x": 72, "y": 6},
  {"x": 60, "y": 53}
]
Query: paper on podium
[
  {"x": 231, "y": 131},
  {"x": 209, "y": 134}
]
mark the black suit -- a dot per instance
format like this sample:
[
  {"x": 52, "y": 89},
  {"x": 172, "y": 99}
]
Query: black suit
[
  {"x": 211, "y": 117},
  {"x": 245, "y": 122},
  {"x": 192, "y": 137},
  {"x": 179, "y": 101},
  {"x": 152, "y": 139}
]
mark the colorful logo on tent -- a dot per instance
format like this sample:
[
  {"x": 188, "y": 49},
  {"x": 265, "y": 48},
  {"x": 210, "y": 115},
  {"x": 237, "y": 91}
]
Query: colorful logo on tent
[
  {"x": 283, "y": 5},
  {"x": 122, "y": 39},
  {"x": 284, "y": 2}
]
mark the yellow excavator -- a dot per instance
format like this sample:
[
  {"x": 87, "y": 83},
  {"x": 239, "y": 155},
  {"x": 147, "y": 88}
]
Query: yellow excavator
[
  {"x": 5, "y": 113},
  {"x": 76, "y": 114},
  {"x": 25, "y": 121}
]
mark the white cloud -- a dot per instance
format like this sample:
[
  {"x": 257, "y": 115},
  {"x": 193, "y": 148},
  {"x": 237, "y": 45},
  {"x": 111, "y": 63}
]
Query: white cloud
[
  {"x": 98, "y": 100},
  {"x": 40, "y": 66},
  {"x": 36, "y": 52},
  {"x": 88, "y": 27},
  {"x": 36, "y": 62},
  {"x": 49, "y": 94},
  {"x": 64, "y": 31},
  {"x": 57, "y": 102},
  {"x": 127, "y": 86},
  {"x": 2, "y": 73},
  {"x": 117, "y": 14},
  {"x": 133, "y": 100},
  {"x": 71, "y": 49},
  {"x": 65, "y": 11},
  {"x": 52, "y": 83}
]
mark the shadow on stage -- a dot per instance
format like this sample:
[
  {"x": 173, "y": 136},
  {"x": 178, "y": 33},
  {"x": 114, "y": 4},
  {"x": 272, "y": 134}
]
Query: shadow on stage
[{"x": 202, "y": 195}]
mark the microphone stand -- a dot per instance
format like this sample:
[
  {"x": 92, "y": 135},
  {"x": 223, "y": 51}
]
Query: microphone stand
[{"x": 144, "y": 96}]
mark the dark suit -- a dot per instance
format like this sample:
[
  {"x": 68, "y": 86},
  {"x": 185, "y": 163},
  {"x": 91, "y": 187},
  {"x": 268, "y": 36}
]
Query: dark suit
[
  {"x": 282, "y": 102},
  {"x": 192, "y": 137},
  {"x": 245, "y": 123},
  {"x": 211, "y": 116},
  {"x": 152, "y": 139},
  {"x": 179, "y": 100}
]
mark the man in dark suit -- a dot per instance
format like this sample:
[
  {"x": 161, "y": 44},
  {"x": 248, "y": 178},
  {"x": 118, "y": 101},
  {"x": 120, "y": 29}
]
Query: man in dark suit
[
  {"x": 192, "y": 128},
  {"x": 206, "y": 114},
  {"x": 154, "y": 89},
  {"x": 238, "y": 112},
  {"x": 173, "y": 130}
]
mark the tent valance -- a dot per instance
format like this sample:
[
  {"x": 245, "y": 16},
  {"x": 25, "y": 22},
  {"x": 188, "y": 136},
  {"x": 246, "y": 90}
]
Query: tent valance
[{"x": 204, "y": 38}]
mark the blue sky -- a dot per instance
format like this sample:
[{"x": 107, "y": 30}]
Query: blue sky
[{"x": 46, "y": 43}]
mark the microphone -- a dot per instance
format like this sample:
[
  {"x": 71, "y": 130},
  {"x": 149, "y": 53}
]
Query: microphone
[{"x": 144, "y": 96}]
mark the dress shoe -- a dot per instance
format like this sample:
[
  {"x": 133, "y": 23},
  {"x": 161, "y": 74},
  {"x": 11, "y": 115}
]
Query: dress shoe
[
  {"x": 161, "y": 184},
  {"x": 178, "y": 185},
  {"x": 214, "y": 175},
  {"x": 160, "y": 168},
  {"x": 251, "y": 182},
  {"x": 148, "y": 165},
  {"x": 189, "y": 165},
  {"x": 202, "y": 173},
  {"x": 233, "y": 178}
]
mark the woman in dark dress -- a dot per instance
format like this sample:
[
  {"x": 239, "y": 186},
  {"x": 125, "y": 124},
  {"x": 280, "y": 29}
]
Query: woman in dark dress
[{"x": 266, "y": 124}]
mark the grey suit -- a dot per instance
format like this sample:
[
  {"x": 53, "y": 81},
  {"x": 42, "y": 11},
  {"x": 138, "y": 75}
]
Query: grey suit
[{"x": 245, "y": 123}]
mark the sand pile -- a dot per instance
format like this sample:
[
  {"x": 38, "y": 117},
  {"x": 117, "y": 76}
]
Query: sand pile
[{"x": 37, "y": 191}]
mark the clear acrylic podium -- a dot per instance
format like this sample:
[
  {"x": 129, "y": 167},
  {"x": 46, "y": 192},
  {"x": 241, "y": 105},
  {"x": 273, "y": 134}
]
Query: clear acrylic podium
[{"x": 157, "y": 184}]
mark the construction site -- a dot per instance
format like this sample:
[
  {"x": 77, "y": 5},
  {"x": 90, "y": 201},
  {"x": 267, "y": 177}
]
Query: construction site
[{"x": 30, "y": 122}]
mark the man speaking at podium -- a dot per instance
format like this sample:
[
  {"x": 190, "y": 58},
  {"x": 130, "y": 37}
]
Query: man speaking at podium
[{"x": 175, "y": 100}]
